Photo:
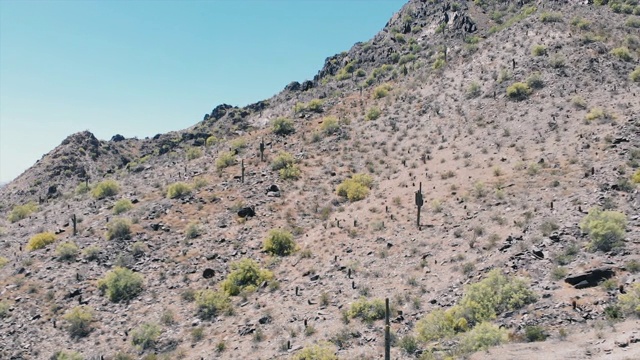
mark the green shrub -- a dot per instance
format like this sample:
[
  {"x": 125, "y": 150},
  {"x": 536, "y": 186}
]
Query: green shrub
[
  {"x": 482, "y": 337},
  {"x": 606, "y": 229},
  {"x": 291, "y": 172},
  {"x": 633, "y": 22},
  {"x": 534, "y": 333},
  {"x": 122, "y": 205},
  {"x": 20, "y": 212},
  {"x": 473, "y": 91},
  {"x": 245, "y": 275},
  {"x": 557, "y": 61},
  {"x": 145, "y": 335},
  {"x": 633, "y": 266},
  {"x": 178, "y": 190},
  {"x": 538, "y": 50},
  {"x": 438, "y": 64},
  {"x": 212, "y": 303},
  {"x": 282, "y": 126},
  {"x": 121, "y": 284},
  {"x": 238, "y": 144},
  {"x": 79, "y": 321},
  {"x": 279, "y": 242},
  {"x": 622, "y": 53},
  {"x": 355, "y": 188},
  {"x": 320, "y": 351},
  {"x": 40, "y": 240},
  {"x": 315, "y": 105},
  {"x": 518, "y": 91},
  {"x": 4, "y": 309},
  {"x": 119, "y": 229},
  {"x": 381, "y": 91},
  {"x": 635, "y": 75},
  {"x": 82, "y": 188},
  {"x": 330, "y": 125},
  {"x": 579, "y": 102},
  {"x": 106, "y": 188},
  {"x": 559, "y": 273},
  {"x": 197, "y": 333},
  {"x": 193, "y": 153},
  {"x": 440, "y": 324},
  {"x": 535, "y": 81},
  {"x": 65, "y": 355},
  {"x": 67, "y": 251},
  {"x": 580, "y": 23},
  {"x": 598, "y": 113},
  {"x": 548, "y": 17},
  {"x": 367, "y": 310},
  {"x": 373, "y": 113},
  {"x": 409, "y": 344},
  {"x": 211, "y": 140},
  {"x": 192, "y": 231},
  {"x": 225, "y": 160},
  {"x": 3, "y": 261},
  {"x": 630, "y": 302},
  {"x": 282, "y": 160},
  {"x": 199, "y": 183},
  {"x": 92, "y": 252}
]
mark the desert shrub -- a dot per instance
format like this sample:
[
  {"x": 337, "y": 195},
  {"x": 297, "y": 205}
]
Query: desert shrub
[
  {"x": 279, "y": 242},
  {"x": 633, "y": 22},
  {"x": 473, "y": 91},
  {"x": 82, "y": 188},
  {"x": 518, "y": 91},
  {"x": 330, "y": 125},
  {"x": 79, "y": 321},
  {"x": 438, "y": 64},
  {"x": 630, "y": 302},
  {"x": 538, "y": 50},
  {"x": 282, "y": 126},
  {"x": 558, "y": 273},
  {"x": 373, "y": 114},
  {"x": 381, "y": 91},
  {"x": 178, "y": 190},
  {"x": 192, "y": 231},
  {"x": 245, "y": 274},
  {"x": 622, "y": 53},
  {"x": 635, "y": 75},
  {"x": 211, "y": 140},
  {"x": 535, "y": 81},
  {"x": 291, "y": 172},
  {"x": 145, "y": 335},
  {"x": 119, "y": 229},
  {"x": 597, "y": 113},
  {"x": 579, "y": 102},
  {"x": 121, "y": 284},
  {"x": 549, "y": 17},
  {"x": 440, "y": 324},
  {"x": 367, "y": 310},
  {"x": 534, "y": 333},
  {"x": 225, "y": 160},
  {"x": 67, "y": 355},
  {"x": 355, "y": 188},
  {"x": 199, "y": 183},
  {"x": 212, "y": 303},
  {"x": 105, "y": 189},
  {"x": 409, "y": 344},
  {"x": 20, "y": 212},
  {"x": 4, "y": 309},
  {"x": 238, "y": 144},
  {"x": 635, "y": 178},
  {"x": 122, "y": 205},
  {"x": 315, "y": 105},
  {"x": 580, "y": 23},
  {"x": 91, "y": 252},
  {"x": 606, "y": 229},
  {"x": 193, "y": 153},
  {"x": 319, "y": 351},
  {"x": 38, "y": 241},
  {"x": 282, "y": 160},
  {"x": 67, "y": 251},
  {"x": 482, "y": 337},
  {"x": 633, "y": 266},
  {"x": 138, "y": 249},
  {"x": 557, "y": 61},
  {"x": 494, "y": 295},
  {"x": 3, "y": 261}
]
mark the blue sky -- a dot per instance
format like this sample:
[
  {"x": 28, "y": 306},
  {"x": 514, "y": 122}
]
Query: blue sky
[{"x": 139, "y": 68}]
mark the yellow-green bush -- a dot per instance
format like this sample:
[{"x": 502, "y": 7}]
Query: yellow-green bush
[
  {"x": 282, "y": 160},
  {"x": 20, "y": 212},
  {"x": 178, "y": 190},
  {"x": 622, "y": 53},
  {"x": 547, "y": 17},
  {"x": 291, "y": 172},
  {"x": 121, "y": 284},
  {"x": 238, "y": 144},
  {"x": 105, "y": 189},
  {"x": 79, "y": 321},
  {"x": 355, "y": 188},
  {"x": 67, "y": 355},
  {"x": 145, "y": 335},
  {"x": 282, "y": 126},
  {"x": 636, "y": 177},
  {"x": 82, "y": 188},
  {"x": 193, "y": 153},
  {"x": 4, "y": 309},
  {"x": 630, "y": 302},
  {"x": 440, "y": 324},
  {"x": 212, "y": 303},
  {"x": 538, "y": 50},
  {"x": 122, "y": 205},
  {"x": 518, "y": 91},
  {"x": 38, "y": 241},
  {"x": 320, "y": 351},
  {"x": 314, "y": 105},
  {"x": 211, "y": 140},
  {"x": 279, "y": 242},
  {"x": 225, "y": 160},
  {"x": 367, "y": 310},
  {"x": 3, "y": 261},
  {"x": 606, "y": 229},
  {"x": 246, "y": 275},
  {"x": 373, "y": 114},
  {"x": 381, "y": 91},
  {"x": 439, "y": 63},
  {"x": 67, "y": 251},
  {"x": 635, "y": 75},
  {"x": 330, "y": 125},
  {"x": 119, "y": 229},
  {"x": 193, "y": 230},
  {"x": 482, "y": 337}
]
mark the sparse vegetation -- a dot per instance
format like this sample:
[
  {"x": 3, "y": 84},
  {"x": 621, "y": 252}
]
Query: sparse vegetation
[
  {"x": 225, "y": 160},
  {"x": 330, "y": 125},
  {"x": 212, "y": 303},
  {"x": 104, "y": 189},
  {"x": 606, "y": 229},
  {"x": 20, "y": 212},
  {"x": 355, "y": 188},
  {"x": 67, "y": 251},
  {"x": 178, "y": 190},
  {"x": 290, "y": 172},
  {"x": 121, "y": 206},
  {"x": 622, "y": 53},
  {"x": 3, "y": 261},
  {"x": 473, "y": 91},
  {"x": 119, "y": 229},
  {"x": 79, "y": 321},
  {"x": 67, "y": 355},
  {"x": 381, "y": 91},
  {"x": 192, "y": 231},
  {"x": 550, "y": 17},
  {"x": 518, "y": 91},
  {"x": 145, "y": 335},
  {"x": 373, "y": 114},
  {"x": 245, "y": 275},
  {"x": 367, "y": 310},
  {"x": 635, "y": 75},
  {"x": 5, "y": 307},
  {"x": 282, "y": 160},
  {"x": 279, "y": 242},
  {"x": 121, "y": 284},
  {"x": 40, "y": 240},
  {"x": 538, "y": 50},
  {"x": 320, "y": 351},
  {"x": 282, "y": 126}
]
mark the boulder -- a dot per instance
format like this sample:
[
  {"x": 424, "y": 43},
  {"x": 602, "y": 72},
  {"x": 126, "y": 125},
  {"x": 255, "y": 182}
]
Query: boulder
[
  {"x": 117, "y": 138},
  {"x": 246, "y": 212},
  {"x": 590, "y": 278}
]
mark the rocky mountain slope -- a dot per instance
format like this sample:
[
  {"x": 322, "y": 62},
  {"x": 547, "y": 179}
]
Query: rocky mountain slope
[{"x": 514, "y": 118}]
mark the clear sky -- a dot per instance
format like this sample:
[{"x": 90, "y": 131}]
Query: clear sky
[{"x": 139, "y": 68}]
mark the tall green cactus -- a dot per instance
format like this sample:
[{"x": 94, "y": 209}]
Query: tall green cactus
[{"x": 419, "y": 203}]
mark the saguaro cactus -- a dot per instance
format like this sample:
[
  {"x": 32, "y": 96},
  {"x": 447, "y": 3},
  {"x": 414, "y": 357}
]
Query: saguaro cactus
[
  {"x": 261, "y": 149},
  {"x": 387, "y": 331},
  {"x": 75, "y": 222},
  {"x": 419, "y": 202},
  {"x": 242, "y": 169}
]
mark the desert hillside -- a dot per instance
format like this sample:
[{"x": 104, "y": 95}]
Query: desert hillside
[{"x": 276, "y": 230}]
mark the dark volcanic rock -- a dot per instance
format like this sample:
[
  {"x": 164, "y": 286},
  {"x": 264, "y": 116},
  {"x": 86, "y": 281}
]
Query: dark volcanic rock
[{"x": 590, "y": 278}]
